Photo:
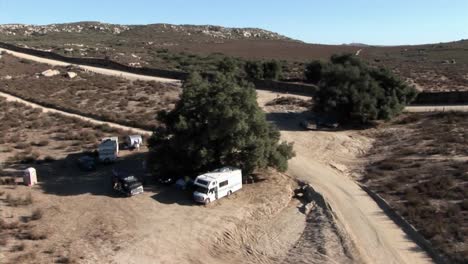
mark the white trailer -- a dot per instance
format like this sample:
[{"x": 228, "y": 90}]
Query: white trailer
[
  {"x": 217, "y": 184},
  {"x": 133, "y": 141},
  {"x": 108, "y": 150}
]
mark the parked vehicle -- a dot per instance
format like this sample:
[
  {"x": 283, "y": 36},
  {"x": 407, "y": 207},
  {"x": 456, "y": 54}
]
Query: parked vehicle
[
  {"x": 133, "y": 141},
  {"x": 217, "y": 184},
  {"x": 87, "y": 163},
  {"x": 108, "y": 150},
  {"x": 126, "y": 183},
  {"x": 320, "y": 123}
]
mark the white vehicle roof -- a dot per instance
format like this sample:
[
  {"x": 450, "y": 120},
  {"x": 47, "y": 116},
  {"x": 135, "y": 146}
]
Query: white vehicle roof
[
  {"x": 110, "y": 138},
  {"x": 209, "y": 176}
]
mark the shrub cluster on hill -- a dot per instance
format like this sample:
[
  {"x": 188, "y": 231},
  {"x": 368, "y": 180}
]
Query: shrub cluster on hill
[
  {"x": 351, "y": 90},
  {"x": 215, "y": 123}
]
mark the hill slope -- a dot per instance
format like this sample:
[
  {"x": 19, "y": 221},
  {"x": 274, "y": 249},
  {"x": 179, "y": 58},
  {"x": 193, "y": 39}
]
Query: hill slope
[{"x": 441, "y": 66}]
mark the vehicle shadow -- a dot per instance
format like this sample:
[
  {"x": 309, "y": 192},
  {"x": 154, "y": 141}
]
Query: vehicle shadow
[{"x": 172, "y": 195}]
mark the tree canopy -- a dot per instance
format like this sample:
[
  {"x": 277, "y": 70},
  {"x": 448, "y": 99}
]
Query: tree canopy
[
  {"x": 351, "y": 90},
  {"x": 215, "y": 123}
]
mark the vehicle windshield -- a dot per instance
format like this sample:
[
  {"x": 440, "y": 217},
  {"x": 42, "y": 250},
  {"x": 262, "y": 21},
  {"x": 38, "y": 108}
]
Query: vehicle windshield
[{"x": 202, "y": 189}]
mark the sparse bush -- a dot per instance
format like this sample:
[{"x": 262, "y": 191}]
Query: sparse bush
[
  {"x": 19, "y": 247},
  {"x": 42, "y": 143},
  {"x": 48, "y": 159},
  {"x": 5, "y": 226},
  {"x": 26, "y": 258},
  {"x": 22, "y": 145},
  {"x": 17, "y": 201},
  {"x": 7, "y": 181},
  {"x": 30, "y": 235},
  {"x": 37, "y": 214},
  {"x": 288, "y": 100}
]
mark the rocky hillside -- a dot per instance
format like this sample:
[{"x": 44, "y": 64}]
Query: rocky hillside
[
  {"x": 436, "y": 67},
  {"x": 215, "y": 32}
]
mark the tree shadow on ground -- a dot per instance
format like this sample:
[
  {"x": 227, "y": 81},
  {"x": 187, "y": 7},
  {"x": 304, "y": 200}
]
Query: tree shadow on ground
[
  {"x": 289, "y": 121},
  {"x": 172, "y": 195},
  {"x": 63, "y": 177}
]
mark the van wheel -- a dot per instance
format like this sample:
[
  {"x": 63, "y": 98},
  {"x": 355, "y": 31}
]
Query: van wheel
[
  {"x": 229, "y": 193},
  {"x": 207, "y": 201}
]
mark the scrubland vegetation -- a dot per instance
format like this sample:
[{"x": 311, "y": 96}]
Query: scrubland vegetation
[
  {"x": 419, "y": 164},
  {"x": 104, "y": 97}
]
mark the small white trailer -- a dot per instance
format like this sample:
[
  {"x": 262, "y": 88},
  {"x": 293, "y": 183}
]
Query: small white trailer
[
  {"x": 108, "y": 150},
  {"x": 30, "y": 176},
  {"x": 133, "y": 141},
  {"x": 217, "y": 184}
]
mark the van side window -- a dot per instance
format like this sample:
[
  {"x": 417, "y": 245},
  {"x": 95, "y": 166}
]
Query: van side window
[{"x": 222, "y": 184}]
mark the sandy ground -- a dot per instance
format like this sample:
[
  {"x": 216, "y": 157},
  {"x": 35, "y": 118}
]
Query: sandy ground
[
  {"x": 324, "y": 159},
  {"x": 436, "y": 108},
  {"x": 88, "y": 223},
  {"x": 127, "y": 75}
]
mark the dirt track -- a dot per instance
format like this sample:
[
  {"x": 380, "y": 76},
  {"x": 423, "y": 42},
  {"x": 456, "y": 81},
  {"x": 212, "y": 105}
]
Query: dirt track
[
  {"x": 94, "y": 121},
  {"x": 436, "y": 108},
  {"x": 126, "y": 75}
]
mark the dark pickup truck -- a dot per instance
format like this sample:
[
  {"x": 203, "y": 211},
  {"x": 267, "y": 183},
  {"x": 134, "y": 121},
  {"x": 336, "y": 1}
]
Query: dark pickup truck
[{"x": 126, "y": 183}]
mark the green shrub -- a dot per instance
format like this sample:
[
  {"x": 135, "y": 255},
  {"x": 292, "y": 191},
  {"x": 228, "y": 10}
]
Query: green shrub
[
  {"x": 272, "y": 70},
  {"x": 215, "y": 124},
  {"x": 352, "y": 91},
  {"x": 313, "y": 71},
  {"x": 254, "y": 69}
]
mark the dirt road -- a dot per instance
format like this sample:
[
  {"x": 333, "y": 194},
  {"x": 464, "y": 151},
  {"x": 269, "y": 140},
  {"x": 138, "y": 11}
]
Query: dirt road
[
  {"x": 12, "y": 98},
  {"x": 126, "y": 75},
  {"x": 436, "y": 108},
  {"x": 322, "y": 160}
]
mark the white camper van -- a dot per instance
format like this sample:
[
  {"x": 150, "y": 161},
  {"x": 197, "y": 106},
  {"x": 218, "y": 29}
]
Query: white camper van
[
  {"x": 217, "y": 184},
  {"x": 108, "y": 149}
]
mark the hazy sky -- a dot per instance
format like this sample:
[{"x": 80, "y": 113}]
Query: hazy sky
[{"x": 385, "y": 22}]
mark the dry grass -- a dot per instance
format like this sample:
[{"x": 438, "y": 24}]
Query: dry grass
[
  {"x": 19, "y": 201},
  {"x": 44, "y": 137},
  {"x": 420, "y": 165},
  {"x": 289, "y": 100},
  {"x": 36, "y": 214},
  {"x": 103, "y": 97}
]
